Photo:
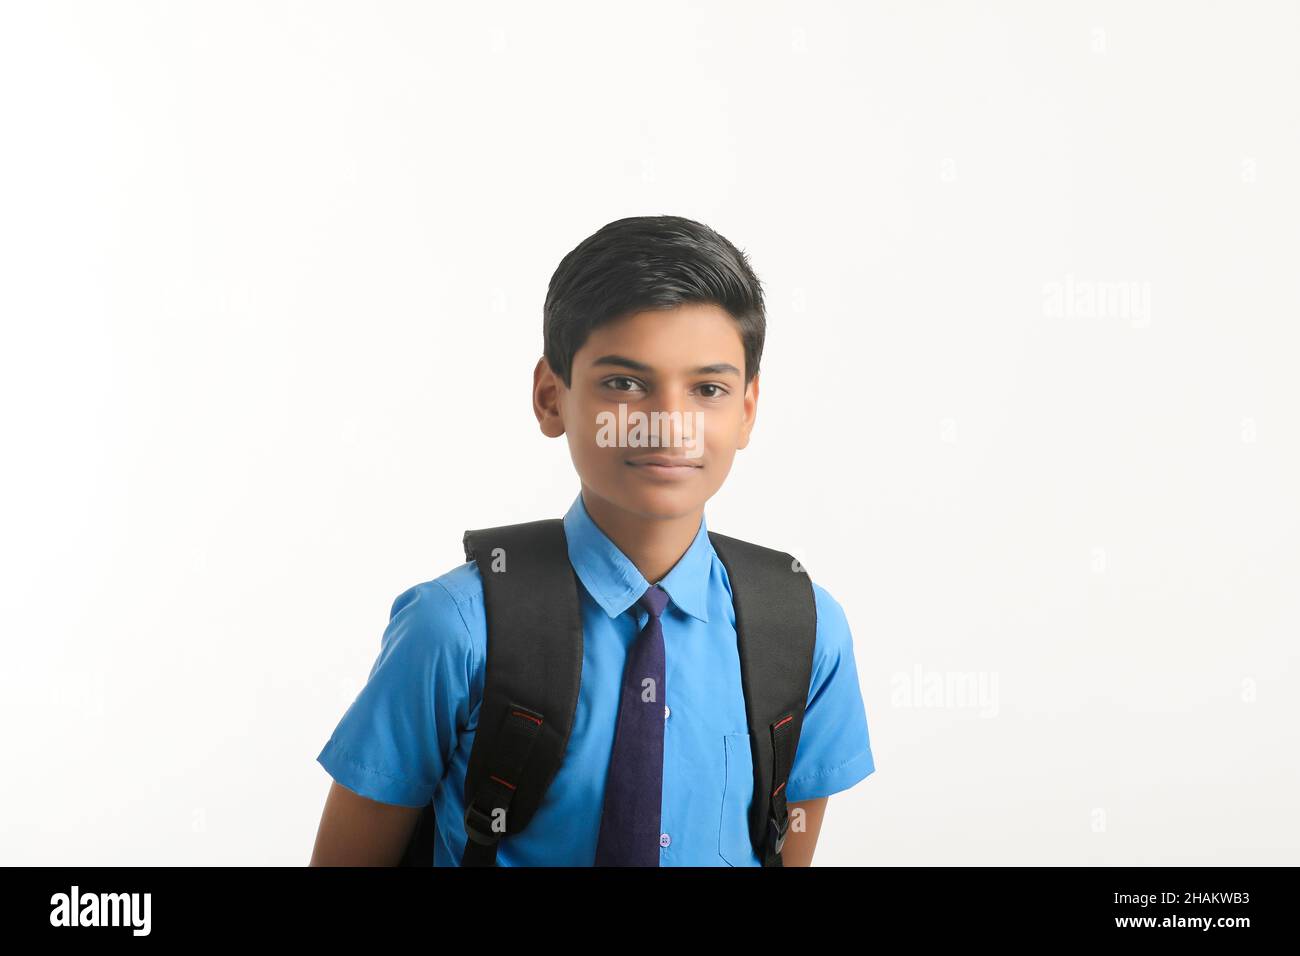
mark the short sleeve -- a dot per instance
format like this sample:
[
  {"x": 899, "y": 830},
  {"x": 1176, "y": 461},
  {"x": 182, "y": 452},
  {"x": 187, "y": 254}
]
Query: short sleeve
[
  {"x": 394, "y": 742},
  {"x": 834, "y": 746}
]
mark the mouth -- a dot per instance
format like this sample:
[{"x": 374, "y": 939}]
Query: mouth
[{"x": 666, "y": 464}]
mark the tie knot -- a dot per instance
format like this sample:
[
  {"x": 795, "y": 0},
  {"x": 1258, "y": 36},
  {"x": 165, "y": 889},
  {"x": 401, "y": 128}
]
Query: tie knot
[{"x": 654, "y": 600}]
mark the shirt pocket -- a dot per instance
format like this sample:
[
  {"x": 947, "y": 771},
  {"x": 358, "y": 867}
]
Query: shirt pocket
[{"x": 734, "y": 843}]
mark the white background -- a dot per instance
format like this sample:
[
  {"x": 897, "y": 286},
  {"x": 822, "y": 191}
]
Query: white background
[{"x": 271, "y": 278}]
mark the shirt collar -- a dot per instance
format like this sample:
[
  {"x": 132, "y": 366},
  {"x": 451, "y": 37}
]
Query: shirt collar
[{"x": 615, "y": 582}]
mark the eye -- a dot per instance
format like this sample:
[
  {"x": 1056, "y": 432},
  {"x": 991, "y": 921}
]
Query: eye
[
  {"x": 611, "y": 383},
  {"x": 719, "y": 392}
]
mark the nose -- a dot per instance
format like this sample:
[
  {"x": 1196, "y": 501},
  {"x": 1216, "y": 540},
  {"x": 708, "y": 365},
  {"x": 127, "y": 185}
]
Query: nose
[
  {"x": 679, "y": 423},
  {"x": 670, "y": 401}
]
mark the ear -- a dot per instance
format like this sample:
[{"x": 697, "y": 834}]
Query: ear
[
  {"x": 546, "y": 399},
  {"x": 751, "y": 410}
]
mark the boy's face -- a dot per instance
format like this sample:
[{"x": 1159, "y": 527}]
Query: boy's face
[{"x": 687, "y": 363}]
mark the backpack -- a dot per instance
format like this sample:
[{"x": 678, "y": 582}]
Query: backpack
[{"x": 534, "y": 666}]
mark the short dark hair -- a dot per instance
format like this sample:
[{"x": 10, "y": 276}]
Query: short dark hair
[{"x": 648, "y": 262}]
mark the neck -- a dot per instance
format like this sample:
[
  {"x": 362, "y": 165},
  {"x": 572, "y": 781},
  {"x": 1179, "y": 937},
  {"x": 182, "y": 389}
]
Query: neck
[{"x": 654, "y": 545}]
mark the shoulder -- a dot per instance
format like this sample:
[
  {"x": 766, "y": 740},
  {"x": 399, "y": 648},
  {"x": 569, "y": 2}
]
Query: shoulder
[
  {"x": 834, "y": 636},
  {"x": 460, "y": 589},
  {"x": 831, "y": 620},
  {"x": 442, "y": 613},
  {"x": 833, "y": 633},
  {"x": 830, "y": 614}
]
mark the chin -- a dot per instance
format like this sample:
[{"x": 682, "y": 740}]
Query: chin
[{"x": 662, "y": 502}]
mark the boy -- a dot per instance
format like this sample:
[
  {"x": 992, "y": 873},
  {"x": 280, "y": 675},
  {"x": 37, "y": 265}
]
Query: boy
[{"x": 653, "y": 314}]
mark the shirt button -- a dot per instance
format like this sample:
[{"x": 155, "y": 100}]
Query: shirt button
[
  {"x": 664, "y": 839},
  {"x": 666, "y": 711}
]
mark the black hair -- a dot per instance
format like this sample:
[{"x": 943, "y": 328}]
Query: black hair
[{"x": 648, "y": 262}]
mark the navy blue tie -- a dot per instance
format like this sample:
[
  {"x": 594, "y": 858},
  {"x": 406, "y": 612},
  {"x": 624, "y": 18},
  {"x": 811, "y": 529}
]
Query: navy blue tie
[{"x": 629, "y": 821}]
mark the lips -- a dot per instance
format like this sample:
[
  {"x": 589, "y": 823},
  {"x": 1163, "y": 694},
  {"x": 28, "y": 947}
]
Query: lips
[{"x": 665, "y": 461}]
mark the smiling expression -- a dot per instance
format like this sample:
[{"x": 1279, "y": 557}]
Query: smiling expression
[{"x": 686, "y": 363}]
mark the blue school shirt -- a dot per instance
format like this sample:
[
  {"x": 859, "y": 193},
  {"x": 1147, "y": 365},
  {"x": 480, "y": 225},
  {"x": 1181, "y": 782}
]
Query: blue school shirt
[{"x": 406, "y": 738}]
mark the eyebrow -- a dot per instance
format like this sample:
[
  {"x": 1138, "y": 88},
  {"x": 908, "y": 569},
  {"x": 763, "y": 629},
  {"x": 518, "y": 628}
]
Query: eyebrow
[{"x": 717, "y": 368}]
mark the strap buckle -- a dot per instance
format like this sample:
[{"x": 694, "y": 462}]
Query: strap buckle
[
  {"x": 780, "y": 830},
  {"x": 478, "y": 826}
]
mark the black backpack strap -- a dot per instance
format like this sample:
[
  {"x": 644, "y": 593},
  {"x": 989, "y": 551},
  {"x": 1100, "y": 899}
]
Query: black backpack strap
[
  {"x": 534, "y": 670},
  {"x": 776, "y": 630}
]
